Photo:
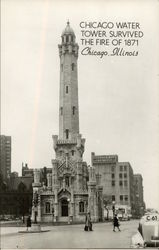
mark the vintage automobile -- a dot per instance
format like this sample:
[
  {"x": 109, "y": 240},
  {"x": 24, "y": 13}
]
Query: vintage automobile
[{"x": 148, "y": 232}]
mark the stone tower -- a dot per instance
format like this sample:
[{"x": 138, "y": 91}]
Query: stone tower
[{"x": 69, "y": 173}]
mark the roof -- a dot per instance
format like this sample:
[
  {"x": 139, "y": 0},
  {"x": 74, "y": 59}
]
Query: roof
[
  {"x": 68, "y": 30},
  {"x": 15, "y": 182}
]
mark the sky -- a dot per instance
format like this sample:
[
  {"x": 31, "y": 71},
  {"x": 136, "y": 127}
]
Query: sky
[{"x": 118, "y": 96}]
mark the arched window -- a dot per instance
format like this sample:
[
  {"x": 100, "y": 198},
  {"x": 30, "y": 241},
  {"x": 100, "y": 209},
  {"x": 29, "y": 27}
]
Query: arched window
[
  {"x": 47, "y": 207},
  {"x": 67, "y": 181},
  {"x": 81, "y": 207}
]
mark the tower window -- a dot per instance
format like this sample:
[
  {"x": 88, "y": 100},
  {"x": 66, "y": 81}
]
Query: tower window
[
  {"x": 73, "y": 110},
  {"x": 73, "y": 152},
  {"x": 61, "y": 111},
  {"x": 73, "y": 66},
  {"x": 67, "y": 39},
  {"x": 66, "y": 89},
  {"x": 67, "y": 133}
]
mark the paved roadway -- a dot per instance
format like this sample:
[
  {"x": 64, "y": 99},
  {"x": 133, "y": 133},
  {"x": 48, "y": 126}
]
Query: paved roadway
[{"x": 71, "y": 236}]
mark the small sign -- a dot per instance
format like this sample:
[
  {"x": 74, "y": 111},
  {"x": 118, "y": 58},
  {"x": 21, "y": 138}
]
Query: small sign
[{"x": 152, "y": 217}]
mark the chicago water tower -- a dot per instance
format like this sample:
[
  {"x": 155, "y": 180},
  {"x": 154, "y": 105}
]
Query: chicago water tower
[{"x": 71, "y": 188}]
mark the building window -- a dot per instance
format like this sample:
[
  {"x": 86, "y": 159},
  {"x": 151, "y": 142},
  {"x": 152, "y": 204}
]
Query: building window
[
  {"x": 120, "y": 175},
  {"x": 81, "y": 207},
  {"x": 125, "y": 168},
  {"x": 121, "y": 168},
  {"x": 73, "y": 110},
  {"x": 67, "y": 181},
  {"x": 66, "y": 89},
  {"x": 125, "y": 175},
  {"x": 126, "y": 198},
  {"x": 120, "y": 183},
  {"x": 121, "y": 197},
  {"x": 113, "y": 183},
  {"x": 113, "y": 176},
  {"x": 112, "y": 168},
  {"x": 61, "y": 111},
  {"x": 67, "y": 133},
  {"x": 125, "y": 183},
  {"x": 73, "y": 66},
  {"x": 113, "y": 197},
  {"x": 47, "y": 207}
]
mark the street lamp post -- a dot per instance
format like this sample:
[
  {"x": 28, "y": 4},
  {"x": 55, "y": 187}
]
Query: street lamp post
[
  {"x": 113, "y": 207},
  {"x": 68, "y": 210}
]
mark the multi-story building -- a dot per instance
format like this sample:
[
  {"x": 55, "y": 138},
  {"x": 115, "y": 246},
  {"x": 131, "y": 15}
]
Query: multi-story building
[
  {"x": 116, "y": 178},
  {"x": 5, "y": 156},
  {"x": 16, "y": 196},
  {"x": 26, "y": 171},
  {"x": 138, "y": 195},
  {"x": 68, "y": 194}
]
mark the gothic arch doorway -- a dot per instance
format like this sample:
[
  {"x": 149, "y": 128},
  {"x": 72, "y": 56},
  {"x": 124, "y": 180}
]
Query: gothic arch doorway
[{"x": 64, "y": 207}]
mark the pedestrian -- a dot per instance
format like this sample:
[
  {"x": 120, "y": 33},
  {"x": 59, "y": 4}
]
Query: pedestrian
[
  {"x": 28, "y": 222},
  {"x": 116, "y": 223},
  {"x": 88, "y": 222}
]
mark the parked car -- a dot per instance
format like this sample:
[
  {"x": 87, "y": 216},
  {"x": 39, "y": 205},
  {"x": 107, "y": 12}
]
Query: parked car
[{"x": 148, "y": 232}]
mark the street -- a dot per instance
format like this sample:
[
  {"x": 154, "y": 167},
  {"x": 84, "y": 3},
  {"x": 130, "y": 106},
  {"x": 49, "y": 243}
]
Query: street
[{"x": 70, "y": 236}]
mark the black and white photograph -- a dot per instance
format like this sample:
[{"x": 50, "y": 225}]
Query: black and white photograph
[{"x": 79, "y": 142}]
